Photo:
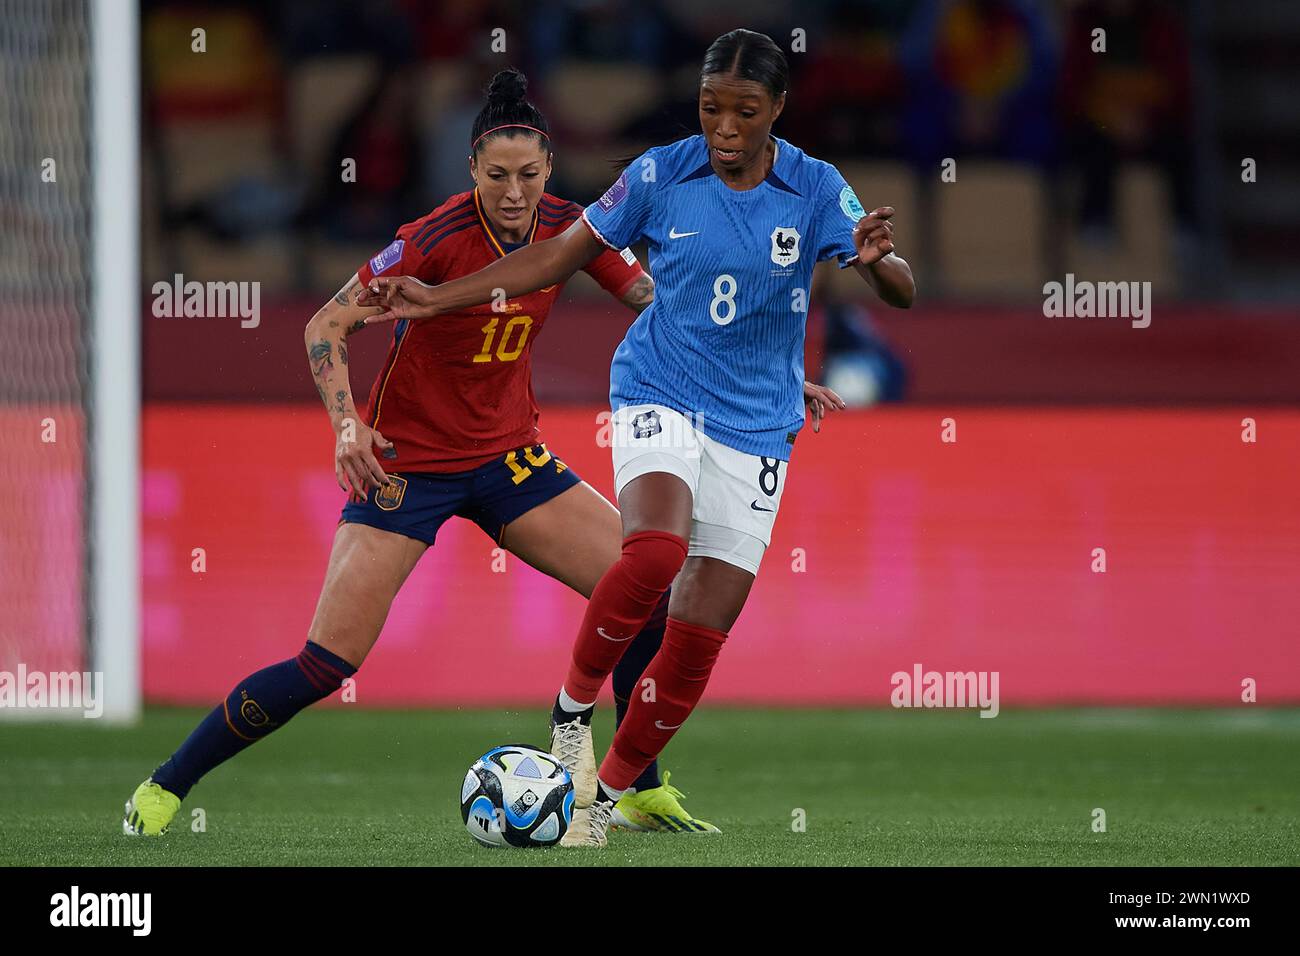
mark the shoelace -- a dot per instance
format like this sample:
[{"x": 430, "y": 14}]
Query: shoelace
[
  {"x": 670, "y": 789},
  {"x": 569, "y": 743},
  {"x": 599, "y": 813}
]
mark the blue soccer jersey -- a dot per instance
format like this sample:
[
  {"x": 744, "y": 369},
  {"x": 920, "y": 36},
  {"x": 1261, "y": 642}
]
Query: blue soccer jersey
[{"x": 723, "y": 340}]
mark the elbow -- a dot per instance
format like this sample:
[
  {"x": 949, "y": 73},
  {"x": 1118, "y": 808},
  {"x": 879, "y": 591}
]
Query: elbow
[
  {"x": 312, "y": 332},
  {"x": 904, "y": 290}
]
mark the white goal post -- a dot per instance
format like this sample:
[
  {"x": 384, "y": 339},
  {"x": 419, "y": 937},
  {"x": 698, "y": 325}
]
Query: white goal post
[{"x": 114, "y": 545}]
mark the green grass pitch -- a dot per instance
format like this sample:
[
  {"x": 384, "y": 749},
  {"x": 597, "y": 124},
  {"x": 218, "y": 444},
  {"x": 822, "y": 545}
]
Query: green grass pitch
[{"x": 349, "y": 787}]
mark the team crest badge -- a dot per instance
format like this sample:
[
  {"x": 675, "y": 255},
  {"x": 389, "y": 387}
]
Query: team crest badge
[
  {"x": 252, "y": 712},
  {"x": 785, "y": 245},
  {"x": 646, "y": 424},
  {"x": 389, "y": 497}
]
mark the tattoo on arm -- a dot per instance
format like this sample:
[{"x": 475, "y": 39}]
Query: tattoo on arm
[
  {"x": 641, "y": 294},
  {"x": 339, "y": 401},
  {"x": 320, "y": 354},
  {"x": 343, "y": 352},
  {"x": 356, "y": 326},
  {"x": 342, "y": 296}
]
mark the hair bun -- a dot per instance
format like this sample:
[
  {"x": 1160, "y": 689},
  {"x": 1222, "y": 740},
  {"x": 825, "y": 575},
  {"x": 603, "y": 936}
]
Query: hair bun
[{"x": 508, "y": 86}]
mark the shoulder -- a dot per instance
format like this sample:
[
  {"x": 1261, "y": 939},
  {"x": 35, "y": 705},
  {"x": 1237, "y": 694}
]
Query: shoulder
[
  {"x": 808, "y": 172},
  {"x": 668, "y": 163},
  {"x": 821, "y": 181},
  {"x": 681, "y": 158},
  {"x": 457, "y": 213}
]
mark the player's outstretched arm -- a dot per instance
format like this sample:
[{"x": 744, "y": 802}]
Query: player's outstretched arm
[
  {"x": 888, "y": 274},
  {"x": 355, "y": 467},
  {"x": 525, "y": 270}
]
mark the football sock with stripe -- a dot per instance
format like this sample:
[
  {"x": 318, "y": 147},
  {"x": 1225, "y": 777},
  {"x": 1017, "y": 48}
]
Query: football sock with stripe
[
  {"x": 259, "y": 704},
  {"x": 680, "y": 672},
  {"x": 620, "y": 605}
]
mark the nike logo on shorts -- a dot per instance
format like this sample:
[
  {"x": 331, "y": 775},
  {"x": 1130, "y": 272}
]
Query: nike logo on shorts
[
  {"x": 754, "y": 504},
  {"x": 616, "y": 640},
  {"x": 662, "y": 726},
  {"x": 674, "y": 234}
]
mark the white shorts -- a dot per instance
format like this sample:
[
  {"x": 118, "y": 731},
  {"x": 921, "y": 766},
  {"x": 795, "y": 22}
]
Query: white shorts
[{"x": 736, "y": 496}]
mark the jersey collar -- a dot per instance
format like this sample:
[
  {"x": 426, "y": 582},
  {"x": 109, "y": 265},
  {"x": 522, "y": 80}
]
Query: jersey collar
[
  {"x": 492, "y": 239},
  {"x": 773, "y": 178}
]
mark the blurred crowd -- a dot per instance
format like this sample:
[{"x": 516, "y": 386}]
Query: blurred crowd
[{"x": 394, "y": 85}]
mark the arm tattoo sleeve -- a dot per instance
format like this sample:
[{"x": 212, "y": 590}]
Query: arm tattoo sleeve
[{"x": 320, "y": 354}]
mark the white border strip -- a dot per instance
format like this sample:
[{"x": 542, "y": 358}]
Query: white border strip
[{"x": 115, "y": 359}]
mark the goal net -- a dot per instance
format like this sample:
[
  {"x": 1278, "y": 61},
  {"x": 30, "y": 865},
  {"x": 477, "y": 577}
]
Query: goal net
[{"x": 69, "y": 392}]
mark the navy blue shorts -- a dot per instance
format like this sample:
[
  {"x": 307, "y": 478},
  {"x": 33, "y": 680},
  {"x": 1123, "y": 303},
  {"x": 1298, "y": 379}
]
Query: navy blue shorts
[{"x": 417, "y": 503}]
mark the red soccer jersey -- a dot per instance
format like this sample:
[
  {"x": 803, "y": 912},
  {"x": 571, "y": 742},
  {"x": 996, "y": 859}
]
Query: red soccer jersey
[{"x": 457, "y": 390}]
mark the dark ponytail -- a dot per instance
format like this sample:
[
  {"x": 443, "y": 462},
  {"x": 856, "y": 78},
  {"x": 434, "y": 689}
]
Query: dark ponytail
[
  {"x": 507, "y": 107},
  {"x": 749, "y": 56}
]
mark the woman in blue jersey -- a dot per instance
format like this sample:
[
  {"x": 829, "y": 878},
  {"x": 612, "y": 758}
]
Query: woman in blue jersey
[{"x": 707, "y": 387}]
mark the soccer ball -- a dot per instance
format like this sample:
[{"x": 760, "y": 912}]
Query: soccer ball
[{"x": 516, "y": 795}]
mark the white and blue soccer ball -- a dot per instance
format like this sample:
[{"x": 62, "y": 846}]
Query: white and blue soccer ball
[{"x": 516, "y": 795}]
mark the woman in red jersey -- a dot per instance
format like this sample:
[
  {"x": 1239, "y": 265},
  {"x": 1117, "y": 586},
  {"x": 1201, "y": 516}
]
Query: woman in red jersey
[{"x": 450, "y": 429}]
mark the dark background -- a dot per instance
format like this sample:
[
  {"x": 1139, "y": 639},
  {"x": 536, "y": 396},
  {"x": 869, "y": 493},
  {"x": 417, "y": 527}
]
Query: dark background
[{"x": 1115, "y": 166}]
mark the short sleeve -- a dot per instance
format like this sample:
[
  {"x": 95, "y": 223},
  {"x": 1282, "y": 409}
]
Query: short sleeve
[
  {"x": 838, "y": 212},
  {"x": 619, "y": 217},
  {"x": 401, "y": 257}
]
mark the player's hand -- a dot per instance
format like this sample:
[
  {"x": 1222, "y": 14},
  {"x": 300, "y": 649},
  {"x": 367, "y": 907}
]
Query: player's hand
[
  {"x": 821, "y": 401},
  {"x": 356, "y": 468},
  {"x": 401, "y": 297},
  {"x": 873, "y": 236}
]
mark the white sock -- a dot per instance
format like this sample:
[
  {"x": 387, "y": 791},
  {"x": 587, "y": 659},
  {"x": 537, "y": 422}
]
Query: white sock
[
  {"x": 616, "y": 794},
  {"x": 571, "y": 706}
]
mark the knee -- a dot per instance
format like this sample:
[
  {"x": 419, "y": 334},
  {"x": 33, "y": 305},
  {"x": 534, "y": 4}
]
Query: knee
[
  {"x": 695, "y": 647},
  {"x": 653, "y": 558}
]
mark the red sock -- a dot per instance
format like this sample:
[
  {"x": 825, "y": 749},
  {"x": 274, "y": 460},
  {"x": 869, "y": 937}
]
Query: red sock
[
  {"x": 680, "y": 672},
  {"x": 620, "y": 606}
]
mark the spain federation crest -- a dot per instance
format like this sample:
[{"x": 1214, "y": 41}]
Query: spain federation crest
[
  {"x": 785, "y": 245},
  {"x": 389, "y": 497}
]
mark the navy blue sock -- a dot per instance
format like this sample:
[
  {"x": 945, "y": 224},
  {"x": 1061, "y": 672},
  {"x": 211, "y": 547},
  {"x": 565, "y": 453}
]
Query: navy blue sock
[
  {"x": 259, "y": 704},
  {"x": 627, "y": 677}
]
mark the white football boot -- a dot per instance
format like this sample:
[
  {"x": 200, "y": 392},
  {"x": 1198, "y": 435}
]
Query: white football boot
[
  {"x": 590, "y": 826},
  {"x": 571, "y": 745}
]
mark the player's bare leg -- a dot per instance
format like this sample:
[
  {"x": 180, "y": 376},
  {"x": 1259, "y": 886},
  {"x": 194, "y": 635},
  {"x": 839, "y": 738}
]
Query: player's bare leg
[
  {"x": 367, "y": 567},
  {"x": 574, "y": 537},
  {"x": 710, "y": 593}
]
